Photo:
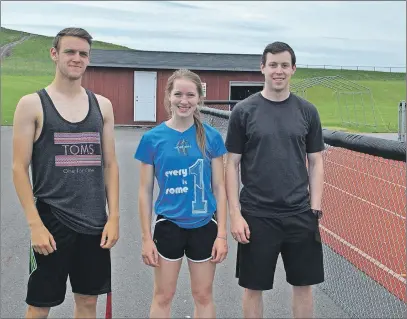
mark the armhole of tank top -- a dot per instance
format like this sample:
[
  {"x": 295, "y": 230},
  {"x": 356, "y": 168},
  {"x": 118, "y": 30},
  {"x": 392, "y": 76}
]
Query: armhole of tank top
[
  {"x": 44, "y": 116},
  {"x": 95, "y": 100}
]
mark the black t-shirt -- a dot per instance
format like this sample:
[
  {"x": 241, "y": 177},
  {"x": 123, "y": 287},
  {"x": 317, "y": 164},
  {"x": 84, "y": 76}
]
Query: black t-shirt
[{"x": 274, "y": 138}]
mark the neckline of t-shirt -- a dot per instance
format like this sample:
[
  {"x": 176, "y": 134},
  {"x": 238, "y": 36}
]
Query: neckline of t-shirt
[
  {"x": 276, "y": 102},
  {"x": 176, "y": 131}
]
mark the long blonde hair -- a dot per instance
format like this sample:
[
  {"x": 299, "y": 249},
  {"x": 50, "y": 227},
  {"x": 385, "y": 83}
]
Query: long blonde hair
[{"x": 193, "y": 77}]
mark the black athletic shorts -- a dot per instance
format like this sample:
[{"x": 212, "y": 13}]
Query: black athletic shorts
[
  {"x": 79, "y": 256},
  {"x": 298, "y": 240},
  {"x": 173, "y": 242}
]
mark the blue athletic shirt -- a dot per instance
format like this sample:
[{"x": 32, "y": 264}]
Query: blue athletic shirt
[{"x": 183, "y": 175}]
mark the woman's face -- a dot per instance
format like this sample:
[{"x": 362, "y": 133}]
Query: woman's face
[{"x": 184, "y": 98}]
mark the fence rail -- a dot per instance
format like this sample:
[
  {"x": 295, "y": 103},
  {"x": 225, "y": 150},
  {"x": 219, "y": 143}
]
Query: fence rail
[
  {"x": 402, "y": 121},
  {"x": 364, "y": 224},
  {"x": 222, "y": 104},
  {"x": 392, "y": 69}
]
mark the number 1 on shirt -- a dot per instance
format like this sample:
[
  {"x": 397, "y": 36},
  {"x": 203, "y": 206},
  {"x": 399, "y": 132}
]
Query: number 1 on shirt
[{"x": 199, "y": 205}]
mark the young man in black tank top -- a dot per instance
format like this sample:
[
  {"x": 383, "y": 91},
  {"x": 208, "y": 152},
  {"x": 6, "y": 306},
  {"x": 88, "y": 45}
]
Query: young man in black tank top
[
  {"x": 67, "y": 134},
  {"x": 271, "y": 135}
]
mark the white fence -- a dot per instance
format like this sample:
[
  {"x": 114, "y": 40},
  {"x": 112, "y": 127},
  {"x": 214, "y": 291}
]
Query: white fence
[{"x": 391, "y": 69}]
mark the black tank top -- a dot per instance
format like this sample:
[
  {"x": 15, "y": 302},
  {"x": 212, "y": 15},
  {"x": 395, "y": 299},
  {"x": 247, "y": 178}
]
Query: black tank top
[{"x": 67, "y": 167}]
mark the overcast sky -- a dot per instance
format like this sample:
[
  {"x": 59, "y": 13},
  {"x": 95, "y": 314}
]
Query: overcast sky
[{"x": 337, "y": 33}]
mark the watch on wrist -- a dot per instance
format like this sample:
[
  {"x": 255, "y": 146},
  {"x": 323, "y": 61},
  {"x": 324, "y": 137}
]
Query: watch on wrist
[{"x": 317, "y": 213}]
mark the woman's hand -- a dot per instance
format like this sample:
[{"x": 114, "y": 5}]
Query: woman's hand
[
  {"x": 150, "y": 253},
  {"x": 219, "y": 250}
]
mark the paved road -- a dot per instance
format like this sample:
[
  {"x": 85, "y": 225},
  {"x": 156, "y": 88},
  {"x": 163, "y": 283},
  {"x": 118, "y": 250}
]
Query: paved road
[
  {"x": 5, "y": 50},
  {"x": 132, "y": 281}
]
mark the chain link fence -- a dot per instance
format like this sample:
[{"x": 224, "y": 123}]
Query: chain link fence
[{"x": 364, "y": 224}]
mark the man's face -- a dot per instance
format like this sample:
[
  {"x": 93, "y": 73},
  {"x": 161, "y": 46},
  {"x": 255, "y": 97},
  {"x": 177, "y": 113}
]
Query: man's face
[
  {"x": 72, "y": 57},
  {"x": 278, "y": 71}
]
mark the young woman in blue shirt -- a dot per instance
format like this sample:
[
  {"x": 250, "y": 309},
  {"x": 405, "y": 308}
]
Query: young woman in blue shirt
[{"x": 186, "y": 158}]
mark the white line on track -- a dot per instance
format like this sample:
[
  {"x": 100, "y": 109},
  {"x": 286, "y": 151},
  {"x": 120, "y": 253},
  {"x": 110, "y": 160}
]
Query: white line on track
[
  {"x": 366, "y": 201},
  {"x": 364, "y": 255},
  {"x": 355, "y": 170}
]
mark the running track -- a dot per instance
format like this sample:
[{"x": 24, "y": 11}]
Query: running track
[{"x": 365, "y": 220}]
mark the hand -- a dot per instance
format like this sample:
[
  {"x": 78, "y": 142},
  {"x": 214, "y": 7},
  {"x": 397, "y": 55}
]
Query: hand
[
  {"x": 42, "y": 241},
  {"x": 150, "y": 253},
  {"x": 110, "y": 233},
  {"x": 219, "y": 250},
  {"x": 240, "y": 229}
]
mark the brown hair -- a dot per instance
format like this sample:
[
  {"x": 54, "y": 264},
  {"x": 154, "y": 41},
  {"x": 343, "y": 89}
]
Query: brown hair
[
  {"x": 71, "y": 32},
  {"x": 278, "y": 47},
  {"x": 189, "y": 75}
]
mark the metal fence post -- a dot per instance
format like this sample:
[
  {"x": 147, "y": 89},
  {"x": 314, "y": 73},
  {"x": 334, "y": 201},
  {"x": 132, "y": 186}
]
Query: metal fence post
[{"x": 402, "y": 121}]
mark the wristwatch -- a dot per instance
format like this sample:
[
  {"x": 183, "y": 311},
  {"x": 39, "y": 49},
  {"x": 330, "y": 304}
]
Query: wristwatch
[{"x": 317, "y": 213}]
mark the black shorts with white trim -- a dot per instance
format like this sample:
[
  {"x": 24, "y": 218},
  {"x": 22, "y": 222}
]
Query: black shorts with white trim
[{"x": 173, "y": 242}]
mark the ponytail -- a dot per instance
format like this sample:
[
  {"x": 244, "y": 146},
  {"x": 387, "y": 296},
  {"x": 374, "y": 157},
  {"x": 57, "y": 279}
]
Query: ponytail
[{"x": 200, "y": 132}]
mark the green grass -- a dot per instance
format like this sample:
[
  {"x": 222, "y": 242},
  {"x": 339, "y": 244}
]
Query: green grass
[
  {"x": 7, "y": 36},
  {"x": 30, "y": 68},
  {"x": 13, "y": 87}
]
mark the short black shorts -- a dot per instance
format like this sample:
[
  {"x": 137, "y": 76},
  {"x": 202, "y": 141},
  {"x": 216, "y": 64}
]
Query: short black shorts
[
  {"x": 173, "y": 242},
  {"x": 298, "y": 240},
  {"x": 79, "y": 256}
]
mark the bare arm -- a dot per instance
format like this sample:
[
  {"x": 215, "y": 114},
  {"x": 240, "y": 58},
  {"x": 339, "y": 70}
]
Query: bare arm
[
  {"x": 145, "y": 208},
  {"x": 145, "y": 199},
  {"x": 218, "y": 186},
  {"x": 239, "y": 227},
  {"x": 24, "y": 129},
  {"x": 111, "y": 168},
  {"x": 316, "y": 179},
  {"x": 232, "y": 183},
  {"x": 23, "y": 137},
  {"x": 110, "y": 233}
]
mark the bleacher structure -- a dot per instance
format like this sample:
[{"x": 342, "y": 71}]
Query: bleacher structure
[{"x": 355, "y": 103}]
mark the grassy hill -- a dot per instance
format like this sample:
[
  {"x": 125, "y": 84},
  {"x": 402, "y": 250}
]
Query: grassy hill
[
  {"x": 30, "y": 68},
  {"x": 8, "y": 36},
  {"x": 31, "y": 58}
]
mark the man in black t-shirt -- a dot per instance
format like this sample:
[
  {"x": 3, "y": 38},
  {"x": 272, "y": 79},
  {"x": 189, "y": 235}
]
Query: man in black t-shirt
[{"x": 272, "y": 134}]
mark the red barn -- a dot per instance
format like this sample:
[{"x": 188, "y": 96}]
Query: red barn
[{"x": 135, "y": 81}]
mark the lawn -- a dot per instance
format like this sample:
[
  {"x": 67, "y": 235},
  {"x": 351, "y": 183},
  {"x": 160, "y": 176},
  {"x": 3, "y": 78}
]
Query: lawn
[{"x": 13, "y": 88}]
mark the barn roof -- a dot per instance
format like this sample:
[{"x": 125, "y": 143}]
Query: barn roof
[{"x": 174, "y": 60}]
